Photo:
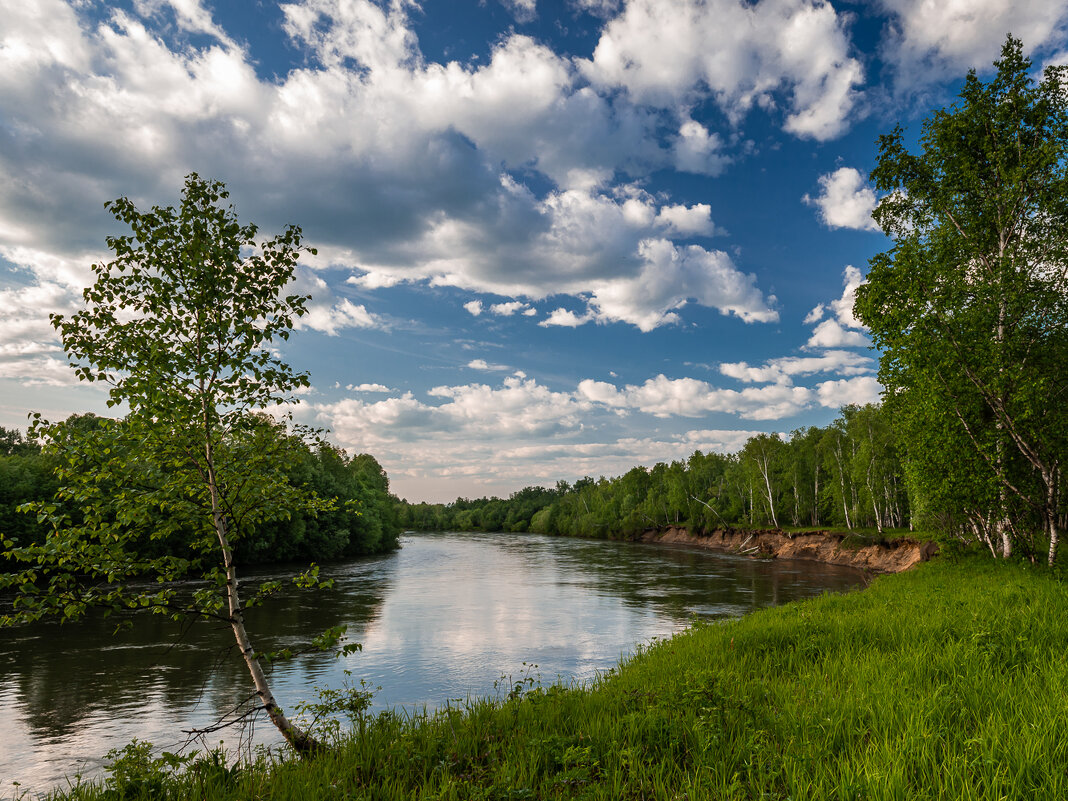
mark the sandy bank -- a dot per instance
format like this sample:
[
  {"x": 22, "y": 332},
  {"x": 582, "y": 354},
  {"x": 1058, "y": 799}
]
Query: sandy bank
[{"x": 887, "y": 556}]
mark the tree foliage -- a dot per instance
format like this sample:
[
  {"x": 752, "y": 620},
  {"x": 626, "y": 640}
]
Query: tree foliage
[
  {"x": 970, "y": 304},
  {"x": 183, "y": 325}
]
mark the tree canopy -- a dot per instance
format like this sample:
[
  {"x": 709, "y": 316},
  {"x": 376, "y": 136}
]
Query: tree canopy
[
  {"x": 970, "y": 304},
  {"x": 183, "y": 325}
]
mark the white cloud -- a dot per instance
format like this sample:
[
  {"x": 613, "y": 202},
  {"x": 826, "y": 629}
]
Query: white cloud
[
  {"x": 815, "y": 315},
  {"x": 40, "y": 371},
  {"x": 474, "y": 307},
  {"x": 670, "y": 277},
  {"x": 522, "y": 10},
  {"x": 689, "y": 397},
  {"x": 695, "y": 220},
  {"x": 599, "y": 8},
  {"x": 846, "y": 200},
  {"x": 744, "y": 54},
  {"x": 564, "y": 318},
  {"x": 332, "y": 319},
  {"x": 783, "y": 370},
  {"x": 831, "y": 334},
  {"x": 190, "y": 15},
  {"x": 395, "y": 163},
  {"x": 465, "y": 413},
  {"x": 325, "y": 312},
  {"x": 482, "y": 364},
  {"x": 509, "y": 308},
  {"x": 927, "y": 41},
  {"x": 698, "y": 151},
  {"x": 860, "y": 390},
  {"x": 843, "y": 330},
  {"x": 521, "y": 431},
  {"x": 367, "y": 388},
  {"x": 843, "y": 306}
]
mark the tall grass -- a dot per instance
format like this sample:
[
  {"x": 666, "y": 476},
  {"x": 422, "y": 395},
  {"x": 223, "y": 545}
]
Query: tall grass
[{"x": 947, "y": 682}]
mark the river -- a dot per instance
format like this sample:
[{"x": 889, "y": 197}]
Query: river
[{"x": 444, "y": 618}]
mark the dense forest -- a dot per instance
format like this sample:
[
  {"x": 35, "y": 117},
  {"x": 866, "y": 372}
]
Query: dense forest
[
  {"x": 362, "y": 521},
  {"x": 846, "y": 475}
]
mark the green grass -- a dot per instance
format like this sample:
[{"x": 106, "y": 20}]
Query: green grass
[{"x": 946, "y": 682}]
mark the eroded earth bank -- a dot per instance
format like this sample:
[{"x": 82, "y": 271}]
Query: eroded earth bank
[{"x": 882, "y": 556}]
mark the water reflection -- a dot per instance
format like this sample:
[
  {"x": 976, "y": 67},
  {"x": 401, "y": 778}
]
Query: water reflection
[{"x": 441, "y": 619}]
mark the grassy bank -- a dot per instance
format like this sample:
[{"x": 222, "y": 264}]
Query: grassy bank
[{"x": 944, "y": 682}]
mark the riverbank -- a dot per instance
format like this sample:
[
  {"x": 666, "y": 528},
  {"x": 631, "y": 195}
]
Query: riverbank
[
  {"x": 942, "y": 682},
  {"x": 877, "y": 555}
]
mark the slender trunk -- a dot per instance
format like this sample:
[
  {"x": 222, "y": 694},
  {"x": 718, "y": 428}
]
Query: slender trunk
[
  {"x": 765, "y": 469},
  {"x": 303, "y": 743},
  {"x": 816, "y": 497},
  {"x": 797, "y": 499},
  {"x": 874, "y": 498},
  {"x": 842, "y": 481},
  {"x": 1051, "y": 478},
  {"x": 984, "y": 536}
]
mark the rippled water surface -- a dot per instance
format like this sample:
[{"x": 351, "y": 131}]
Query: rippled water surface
[{"x": 443, "y": 618}]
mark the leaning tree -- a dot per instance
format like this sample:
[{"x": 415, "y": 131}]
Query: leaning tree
[
  {"x": 970, "y": 304},
  {"x": 183, "y": 326}
]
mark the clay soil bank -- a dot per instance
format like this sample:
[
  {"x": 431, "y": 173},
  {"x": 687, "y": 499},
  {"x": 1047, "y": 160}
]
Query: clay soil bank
[{"x": 881, "y": 556}]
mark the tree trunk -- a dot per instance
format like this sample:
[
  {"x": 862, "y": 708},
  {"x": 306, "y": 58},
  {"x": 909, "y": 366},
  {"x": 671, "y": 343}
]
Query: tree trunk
[
  {"x": 816, "y": 498},
  {"x": 1051, "y": 477},
  {"x": 303, "y": 743},
  {"x": 765, "y": 469},
  {"x": 874, "y": 498},
  {"x": 842, "y": 481}
]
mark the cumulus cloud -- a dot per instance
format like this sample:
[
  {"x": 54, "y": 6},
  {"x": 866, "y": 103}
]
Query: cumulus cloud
[
  {"x": 189, "y": 15},
  {"x": 520, "y": 430},
  {"x": 831, "y": 334},
  {"x": 509, "y": 308},
  {"x": 859, "y": 391},
  {"x": 400, "y": 167},
  {"x": 689, "y": 397},
  {"x": 698, "y": 151},
  {"x": 326, "y": 313},
  {"x": 564, "y": 318},
  {"x": 695, "y": 220},
  {"x": 843, "y": 329},
  {"x": 474, "y": 307},
  {"x": 367, "y": 388},
  {"x": 744, "y": 53},
  {"x": 783, "y": 370},
  {"x": 518, "y": 407},
  {"x": 846, "y": 200},
  {"x": 928, "y": 41}
]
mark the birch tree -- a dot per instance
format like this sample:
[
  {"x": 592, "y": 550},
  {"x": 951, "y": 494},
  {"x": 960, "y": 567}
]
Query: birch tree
[
  {"x": 973, "y": 295},
  {"x": 182, "y": 326}
]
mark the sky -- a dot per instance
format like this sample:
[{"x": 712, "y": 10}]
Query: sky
[{"x": 555, "y": 239}]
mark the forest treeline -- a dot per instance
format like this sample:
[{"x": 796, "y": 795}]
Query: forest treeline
[
  {"x": 845, "y": 475},
  {"x": 363, "y": 519}
]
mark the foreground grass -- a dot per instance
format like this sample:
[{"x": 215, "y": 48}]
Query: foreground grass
[{"x": 947, "y": 682}]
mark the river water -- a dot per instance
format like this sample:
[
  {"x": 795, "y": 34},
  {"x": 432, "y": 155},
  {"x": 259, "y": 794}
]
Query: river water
[{"x": 444, "y": 618}]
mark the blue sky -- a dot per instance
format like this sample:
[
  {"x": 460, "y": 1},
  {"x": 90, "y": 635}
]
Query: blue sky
[{"x": 555, "y": 239}]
